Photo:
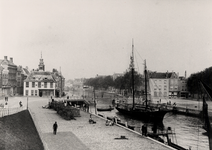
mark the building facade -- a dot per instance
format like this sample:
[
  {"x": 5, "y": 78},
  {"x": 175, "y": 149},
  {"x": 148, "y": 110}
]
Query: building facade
[
  {"x": 8, "y": 77},
  {"x": 44, "y": 83},
  {"x": 39, "y": 84},
  {"x": 60, "y": 83},
  {"x": 183, "y": 87},
  {"x": 163, "y": 84},
  {"x": 22, "y": 74}
]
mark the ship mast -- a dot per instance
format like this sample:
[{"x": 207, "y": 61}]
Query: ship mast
[
  {"x": 132, "y": 69},
  {"x": 145, "y": 77}
]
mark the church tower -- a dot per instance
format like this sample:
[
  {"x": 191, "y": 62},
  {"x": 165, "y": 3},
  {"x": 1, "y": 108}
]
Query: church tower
[{"x": 41, "y": 66}]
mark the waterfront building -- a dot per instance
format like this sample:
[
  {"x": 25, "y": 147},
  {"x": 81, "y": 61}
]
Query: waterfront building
[
  {"x": 8, "y": 77},
  {"x": 183, "y": 86},
  {"x": 174, "y": 90},
  {"x": 163, "y": 84}
]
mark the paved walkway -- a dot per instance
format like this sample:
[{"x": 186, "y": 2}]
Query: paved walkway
[{"x": 80, "y": 135}]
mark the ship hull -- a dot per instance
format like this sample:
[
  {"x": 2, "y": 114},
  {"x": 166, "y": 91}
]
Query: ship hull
[{"x": 149, "y": 116}]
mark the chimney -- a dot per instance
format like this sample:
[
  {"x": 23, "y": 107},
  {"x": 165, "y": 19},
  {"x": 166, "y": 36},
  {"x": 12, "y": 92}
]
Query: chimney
[
  {"x": 5, "y": 57},
  {"x": 185, "y": 74},
  {"x": 11, "y": 59}
]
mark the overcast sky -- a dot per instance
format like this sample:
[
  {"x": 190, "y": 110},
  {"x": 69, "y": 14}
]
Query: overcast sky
[{"x": 89, "y": 37}]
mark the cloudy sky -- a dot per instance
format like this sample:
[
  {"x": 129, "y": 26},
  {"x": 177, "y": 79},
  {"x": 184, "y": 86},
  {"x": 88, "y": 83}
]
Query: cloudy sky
[{"x": 89, "y": 37}]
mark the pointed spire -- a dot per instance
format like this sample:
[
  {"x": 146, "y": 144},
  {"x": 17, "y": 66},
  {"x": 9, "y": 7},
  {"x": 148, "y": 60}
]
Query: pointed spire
[{"x": 41, "y": 66}]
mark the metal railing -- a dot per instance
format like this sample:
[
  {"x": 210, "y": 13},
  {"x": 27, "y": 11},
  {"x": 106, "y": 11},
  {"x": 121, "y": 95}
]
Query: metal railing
[{"x": 9, "y": 111}]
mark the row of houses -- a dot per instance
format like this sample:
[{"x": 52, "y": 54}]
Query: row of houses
[
  {"x": 16, "y": 80},
  {"x": 11, "y": 77},
  {"x": 165, "y": 84}
]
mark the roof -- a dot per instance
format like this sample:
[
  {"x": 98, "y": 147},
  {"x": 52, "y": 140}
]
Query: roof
[
  {"x": 40, "y": 76},
  {"x": 160, "y": 75},
  {"x": 8, "y": 62},
  {"x": 26, "y": 71}
]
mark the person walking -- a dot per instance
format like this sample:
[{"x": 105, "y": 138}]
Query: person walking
[
  {"x": 20, "y": 103},
  {"x": 55, "y": 128}
]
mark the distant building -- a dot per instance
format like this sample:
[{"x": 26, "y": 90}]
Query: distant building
[
  {"x": 39, "y": 83},
  {"x": 8, "y": 72},
  {"x": 60, "y": 83},
  {"x": 22, "y": 74},
  {"x": 116, "y": 75},
  {"x": 78, "y": 83},
  {"x": 183, "y": 86},
  {"x": 164, "y": 84},
  {"x": 44, "y": 83}
]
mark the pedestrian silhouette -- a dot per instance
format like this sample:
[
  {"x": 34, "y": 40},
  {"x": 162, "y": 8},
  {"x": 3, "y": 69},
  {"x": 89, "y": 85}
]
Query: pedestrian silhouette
[
  {"x": 20, "y": 103},
  {"x": 55, "y": 128}
]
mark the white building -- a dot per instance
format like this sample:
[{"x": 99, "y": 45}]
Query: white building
[
  {"x": 39, "y": 84},
  {"x": 164, "y": 84}
]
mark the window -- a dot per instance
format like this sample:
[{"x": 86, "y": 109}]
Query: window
[
  {"x": 27, "y": 84},
  {"x": 27, "y": 92},
  {"x": 36, "y": 93},
  {"x": 45, "y": 84},
  {"x": 39, "y": 84},
  {"x": 51, "y": 85},
  {"x": 32, "y": 92},
  {"x": 33, "y": 84}
]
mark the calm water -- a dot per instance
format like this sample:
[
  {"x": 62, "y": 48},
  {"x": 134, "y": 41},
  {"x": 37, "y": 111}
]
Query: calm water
[{"x": 189, "y": 131}]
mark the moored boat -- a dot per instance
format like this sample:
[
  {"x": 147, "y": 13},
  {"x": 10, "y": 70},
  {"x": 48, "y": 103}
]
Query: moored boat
[
  {"x": 109, "y": 108},
  {"x": 140, "y": 110}
]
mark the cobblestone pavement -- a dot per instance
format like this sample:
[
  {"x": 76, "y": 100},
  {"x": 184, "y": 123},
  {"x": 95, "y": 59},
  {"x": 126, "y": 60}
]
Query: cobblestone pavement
[{"x": 80, "y": 135}]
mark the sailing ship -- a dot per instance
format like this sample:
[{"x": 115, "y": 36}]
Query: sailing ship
[{"x": 143, "y": 111}]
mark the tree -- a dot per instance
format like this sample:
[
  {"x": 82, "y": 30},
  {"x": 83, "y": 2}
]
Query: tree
[{"x": 193, "y": 81}]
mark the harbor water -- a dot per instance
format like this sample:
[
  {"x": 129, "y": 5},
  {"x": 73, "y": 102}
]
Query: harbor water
[{"x": 188, "y": 130}]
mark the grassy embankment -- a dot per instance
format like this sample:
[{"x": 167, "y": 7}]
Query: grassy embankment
[{"x": 18, "y": 132}]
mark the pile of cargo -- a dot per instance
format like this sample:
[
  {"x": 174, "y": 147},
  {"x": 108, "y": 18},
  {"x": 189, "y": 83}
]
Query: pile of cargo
[{"x": 65, "y": 111}]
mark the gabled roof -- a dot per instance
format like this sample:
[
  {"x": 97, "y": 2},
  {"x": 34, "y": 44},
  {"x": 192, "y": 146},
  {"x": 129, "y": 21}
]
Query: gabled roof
[
  {"x": 40, "y": 76},
  {"x": 8, "y": 62},
  {"x": 160, "y": 75}
]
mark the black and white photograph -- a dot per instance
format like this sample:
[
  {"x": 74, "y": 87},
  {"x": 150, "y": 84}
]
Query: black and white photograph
[{"x": 105, "y": 75}]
